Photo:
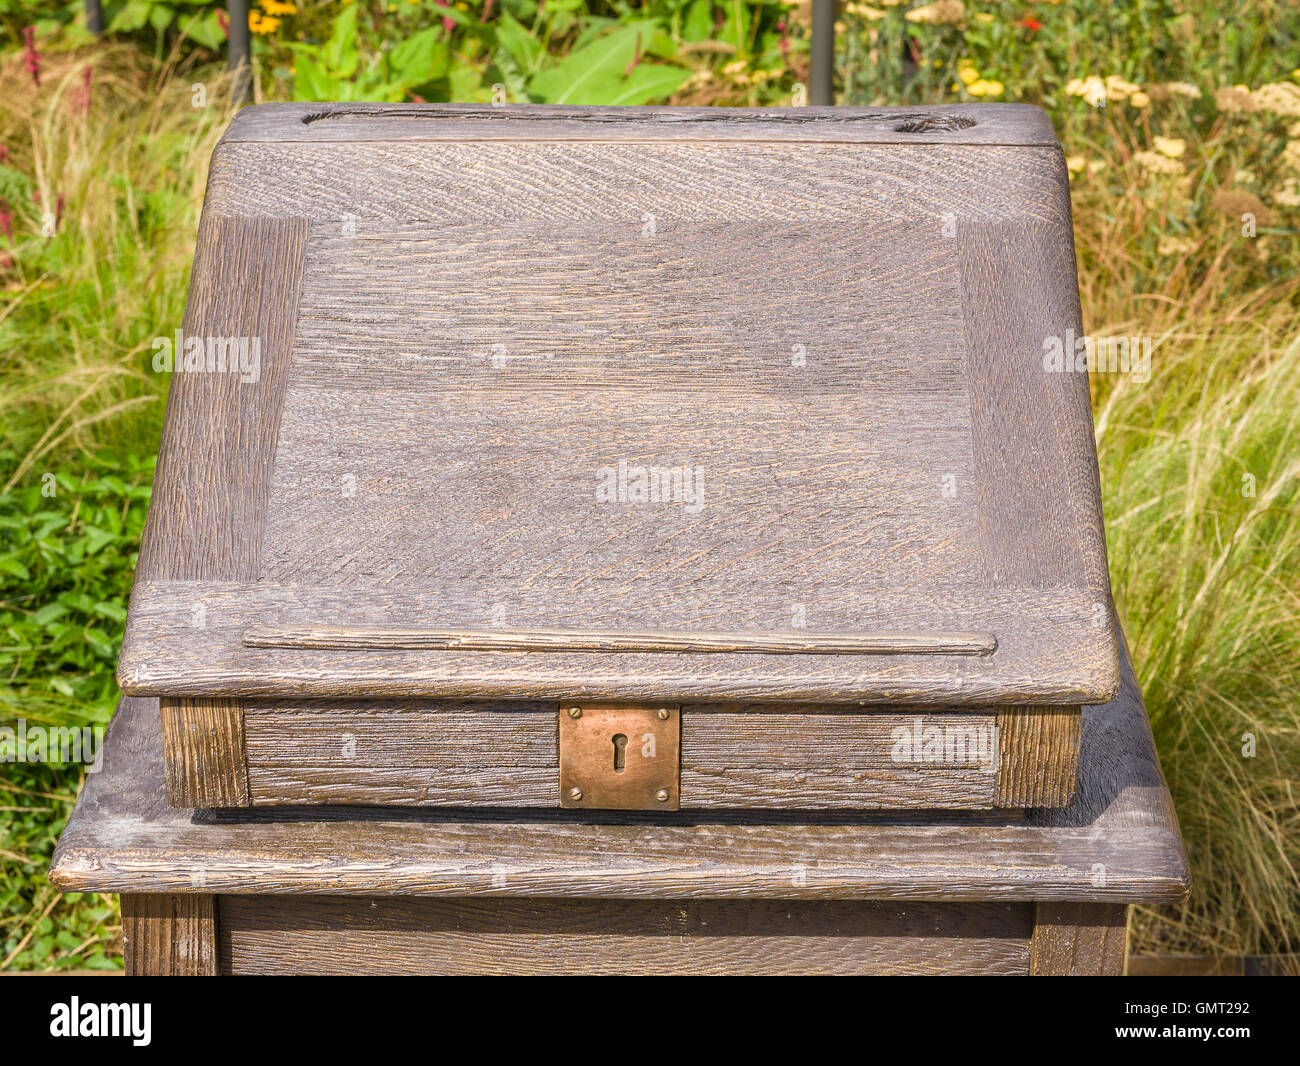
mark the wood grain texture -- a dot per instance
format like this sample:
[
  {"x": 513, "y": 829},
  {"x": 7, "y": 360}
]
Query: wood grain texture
[
  {"x": 1040, "y": 518},
  {"x": 504, "y": 754},
  {"x": 162, "y": 655},
  {"x": 204, "y": 753},
  {"x": 1038, "y": 760},
  {"x": 614, "y": 185},
  {"x": 1015, "y": 124},
  {"x": 384, "y": 935},
  {"x": 219, "y": 438},
  {"x": 515, "y": 300},
  {"x": 123, "y": 837},
  {"x": 170, "y": 935},
  {"x": 1078, "y": 940}
]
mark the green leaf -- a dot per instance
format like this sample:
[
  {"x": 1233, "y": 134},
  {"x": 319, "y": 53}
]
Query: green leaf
[
  {"x": 595, "y": 73},
  {"x": 420, "y": 58},
  {"x": 96, "y": 538},
  {"x": 736, "y": 29},
  {"x": 206, "y": 31},
  {"x": 14, "y": 568},
  {"x": 134, "y": 15},
  {"x": 47, "y": 614},
  {"x": 340, "y": 53},
  {"x": 160, "y": 17},
  {"x": 699, "y": 21},
  {"x": 648, "y": 84},
  {"x": 310, "y": 82},
  {"x": 113, "y": 611},
  {"x": 522, "y": 46},
  {"x": 466, "y": 82}
]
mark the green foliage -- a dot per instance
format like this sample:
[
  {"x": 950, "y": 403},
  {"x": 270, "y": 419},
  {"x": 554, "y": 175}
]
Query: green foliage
[
  {"x": 68, "y": 542},
  {"x": 592, "y": 59}
]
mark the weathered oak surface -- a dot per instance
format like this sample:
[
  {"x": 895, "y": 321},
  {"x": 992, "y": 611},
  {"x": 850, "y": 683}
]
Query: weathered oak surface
[
  {"x": 124, "y": 837},
  {"x": 170, "y": 935},
  {"x": 386, "y": 935},
  {"x": 1078, "y": 939},
  {"x": 505, "y": 754},
  {"x": 1007, "y": 124},
  {"x": 491, "y": 307}
]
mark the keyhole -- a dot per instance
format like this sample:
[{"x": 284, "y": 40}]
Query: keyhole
[{"x": 620, "y": 746}]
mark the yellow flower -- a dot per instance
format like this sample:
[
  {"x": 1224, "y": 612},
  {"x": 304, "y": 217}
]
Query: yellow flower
[
  {"x": 1119, "y": 89},
  {"x": 985, "y": 87},
  {"x": 1091, "y": 88},
  {"x": 967, "y": 72},
  {"x": 278, "y": 7},
  {"x": 1075, "y": 163},
  {"x": 1152, "y": 163},
  {"x": 983, "y": 16},
  {"x": 259, "y": 23},
  {"x": 1173, "y": 147},
  {"x": 939, "y": 13},
  {"x": 1280, "y": 98},
  {"x": 1140, "y": 100},
  {"x": 1234, "y": 99},
  {"x": 871, "y": 14},
  {"x": 1175, "y": 246}
]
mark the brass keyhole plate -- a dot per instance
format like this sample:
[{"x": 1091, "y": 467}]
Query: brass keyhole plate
[{"x": 650, "y": 756}]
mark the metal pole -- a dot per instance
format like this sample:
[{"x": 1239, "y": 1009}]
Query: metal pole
[
  {"x": 237, "y": 10},
  {"x": 821, "y": 91},
  {"x": 94, "y": 17}
]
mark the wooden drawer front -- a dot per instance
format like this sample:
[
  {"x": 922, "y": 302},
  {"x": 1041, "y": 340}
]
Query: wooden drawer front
[
  {"x": 395, "y": 935},
  {"x": 495, "y": 754}
]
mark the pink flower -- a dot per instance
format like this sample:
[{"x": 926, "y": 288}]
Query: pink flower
[{"x": 31, "y": 57}]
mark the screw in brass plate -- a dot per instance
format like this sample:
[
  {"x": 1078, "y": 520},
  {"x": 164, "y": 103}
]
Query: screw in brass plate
[
  {"x": 575, "y": 793},
  {"x": 662, "y": 795},
  {"x": 575, "y": 712},
  {"x": 663, "y": 714}
]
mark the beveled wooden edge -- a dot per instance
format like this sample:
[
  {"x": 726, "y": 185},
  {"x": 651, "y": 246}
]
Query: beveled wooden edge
[
  {"x": 169, "y": 935},
  {"x": 989, "y": 124},
  {"x": 1118, "y": 843},
  {"x": 1078, "y": 940},
  {"x": 1051, "y": 652}
]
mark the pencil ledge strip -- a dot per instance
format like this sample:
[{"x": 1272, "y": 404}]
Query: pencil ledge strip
[{"x": 567, "y": 640}]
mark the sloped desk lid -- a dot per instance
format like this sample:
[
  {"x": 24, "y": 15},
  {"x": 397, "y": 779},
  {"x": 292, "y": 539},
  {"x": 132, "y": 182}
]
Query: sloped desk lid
[{"x": 626, "y": 404}]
